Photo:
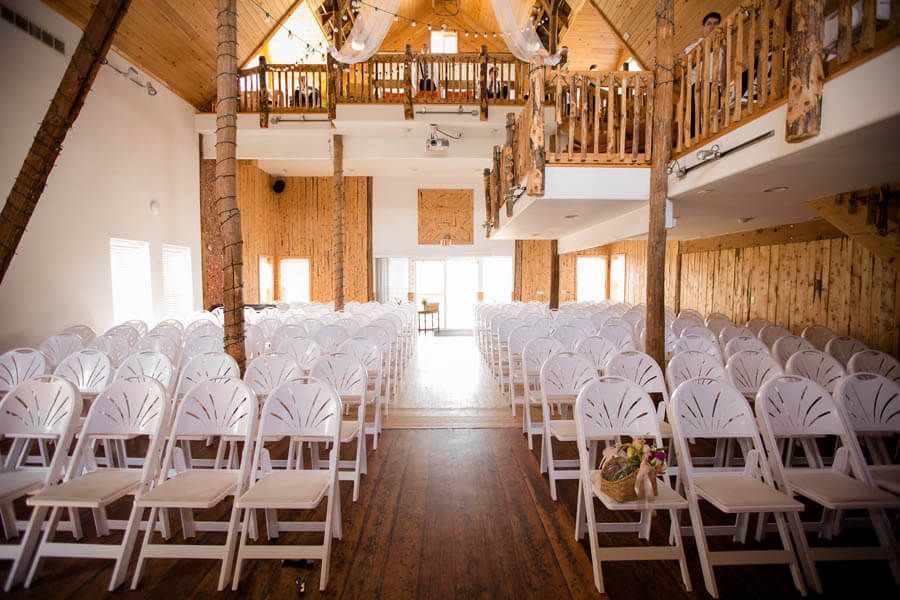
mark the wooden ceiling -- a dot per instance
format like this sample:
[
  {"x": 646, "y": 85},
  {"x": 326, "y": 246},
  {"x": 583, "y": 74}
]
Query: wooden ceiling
[
  {"x": 472, "y": 15},
  {"x": 174, "y": 41},
  {"x": 591, "y": 41},
  {"x": 635, "y": 22}
]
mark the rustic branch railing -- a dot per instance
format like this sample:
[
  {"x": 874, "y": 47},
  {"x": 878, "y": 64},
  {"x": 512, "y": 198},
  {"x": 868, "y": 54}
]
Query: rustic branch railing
[
  {"x": 740, "y": 70},
  {"x": 480, "y": 78},
  {"x": 600, "y": 117}
]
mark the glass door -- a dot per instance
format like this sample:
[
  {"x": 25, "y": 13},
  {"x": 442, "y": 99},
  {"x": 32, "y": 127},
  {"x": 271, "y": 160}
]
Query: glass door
[
  {"x": 430, "y": 285},
  {"x": 462, "y": 292}
]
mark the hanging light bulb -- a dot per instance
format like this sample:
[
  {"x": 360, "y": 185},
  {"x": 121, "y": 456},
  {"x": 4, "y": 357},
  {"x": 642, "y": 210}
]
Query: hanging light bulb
[
  {"x": 267, "y": 17},
  {"x": 344, "y": 17},
  {"x": 357, "y": 45},
  {"x": 290, "y": 34},
  {"x": 443, "y": 27},
  {"x": 467, "y": 34},
  {"x": 476, "y": 35},
  {"x": 396, "y": 18},
  {"x": 413, "y": 24}
]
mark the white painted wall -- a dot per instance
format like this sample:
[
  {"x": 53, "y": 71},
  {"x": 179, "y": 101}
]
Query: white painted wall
[
  {"x": 126, "y": 149},
  {"x": 395, "y": 218}
]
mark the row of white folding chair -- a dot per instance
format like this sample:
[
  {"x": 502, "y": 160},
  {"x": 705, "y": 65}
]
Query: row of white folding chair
[{"x": 135, "y": 407}]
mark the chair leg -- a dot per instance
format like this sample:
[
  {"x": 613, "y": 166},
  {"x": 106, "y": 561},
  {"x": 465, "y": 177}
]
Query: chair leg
[
  {"x": 239, "y": 561},
  {"x": 49, "y": 532},
  {"x": 675, "y": 538},
  {"x": 586, "y": 496},
  {"x": 230, "y": 545},
  {"x": 148, "y": 534},
  {"x": 29, "y": 541},
  {"x": 709, "y": 577},
  {"x": 131, "y": 532},
  {"x": 786, "y": 542},
  {"x": 551, "y": 468},
  {"x": 8, "y": 515},
  {"x": 886, "y": 540}
]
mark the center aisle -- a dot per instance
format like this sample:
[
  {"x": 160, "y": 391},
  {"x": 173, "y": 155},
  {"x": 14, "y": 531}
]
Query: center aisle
[{"x": 448, "y": 385}]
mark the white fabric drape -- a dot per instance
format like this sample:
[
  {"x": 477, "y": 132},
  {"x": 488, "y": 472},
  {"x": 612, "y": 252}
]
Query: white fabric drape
[
  {"x": 372, "y": 23},
  {"x": 518, "y": 31}
]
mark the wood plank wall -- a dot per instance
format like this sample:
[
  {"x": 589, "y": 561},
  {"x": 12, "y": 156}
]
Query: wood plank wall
[
  {"x": 296, "y": 223},
  {"x": 536, "y": 269}
]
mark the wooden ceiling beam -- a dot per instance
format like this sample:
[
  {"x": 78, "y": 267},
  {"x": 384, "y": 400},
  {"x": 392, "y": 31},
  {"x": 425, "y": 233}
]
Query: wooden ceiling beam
[{"x": 641, "y": 59}]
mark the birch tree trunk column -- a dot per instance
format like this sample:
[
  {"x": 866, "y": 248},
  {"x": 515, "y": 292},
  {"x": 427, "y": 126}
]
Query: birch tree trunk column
[
  {"x": 226, "y": 184},
  {"x": 659, "y": 182},
  {"x": 806, "y": 69},
  {"x": 337, "y": 235},
  {"x": 73, "y": 88}
]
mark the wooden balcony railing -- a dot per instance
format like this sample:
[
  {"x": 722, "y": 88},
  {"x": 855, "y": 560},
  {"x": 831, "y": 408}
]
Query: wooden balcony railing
[
  {"x": 600, "y": 117},
  {"x": 740, "y": 70},
  {"x": 479, "y": 78}
]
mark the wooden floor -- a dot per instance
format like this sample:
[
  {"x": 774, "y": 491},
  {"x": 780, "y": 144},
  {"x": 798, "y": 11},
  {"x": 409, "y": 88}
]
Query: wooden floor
[{"x": 451, "y": 513}]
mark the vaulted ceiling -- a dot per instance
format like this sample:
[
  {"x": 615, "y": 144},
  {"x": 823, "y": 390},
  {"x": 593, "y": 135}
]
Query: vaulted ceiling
[{"x": 174, "y": 41}]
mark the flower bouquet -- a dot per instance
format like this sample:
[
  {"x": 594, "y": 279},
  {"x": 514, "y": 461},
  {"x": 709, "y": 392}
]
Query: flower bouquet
[{"x": 628, "y": 471}]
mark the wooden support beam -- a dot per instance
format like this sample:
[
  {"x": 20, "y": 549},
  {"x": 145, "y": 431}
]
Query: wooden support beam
[
  {"x": 536, "y": 134},
  {"x": 496, "y": 186},
  {"x": 64, "y": 108},
  {"x": 226, "y": 180},
  {"x": 408, "y": 86},
  {"x": 857, "y": 227},
  {"x": 659, "y": 182},
  {"x": 333, "y": 78},
  {"x": 482, "y": 85},
  {"x": 508, "y": 161},
  {"x": 337, "y": 232},
  {"x": 517, "y": 271},
  {"x": 487, "y": 203},
  {"x": 807, "y": 70},
  {"x": 263, "y": 92},
  {"x": 370, "y": 254},
  {"x": 554, "y": 274}
]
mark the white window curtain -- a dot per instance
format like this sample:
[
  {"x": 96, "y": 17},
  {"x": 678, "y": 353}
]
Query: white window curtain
[
  {"x": 374, "y": 19},
  {"x": 178, "y": 282},
  {"x": 513, "y": 17},
  {"x": 132, "y": 296}
]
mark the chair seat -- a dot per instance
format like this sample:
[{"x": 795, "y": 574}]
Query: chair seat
[
  {"x": 739, "y": 493},
  {"x": 665, "y": 499},
  {"x": 887, "y": 477},
  {"x": 349, "y": 429},
  {"x": 665, "y": 430},
  {"x": 835, "y": 490},
  {"x": 193, "y": 489},
  {"x": 15, "y": 484},
  {"x": 91, "y": 490},
  {"x": 563, "y": 430},
  {"x": 291, "y": 489}
]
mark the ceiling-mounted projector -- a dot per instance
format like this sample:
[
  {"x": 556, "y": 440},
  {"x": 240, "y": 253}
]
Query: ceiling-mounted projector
[{"x": 438, "y": 141}]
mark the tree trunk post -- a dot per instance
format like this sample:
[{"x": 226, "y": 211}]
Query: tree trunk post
[
  {"x": 408, "y": 88},
  {"x": 337, "y": 231},
  {"x": 508, "y": 161},
  {"x": 263, "y": 92},
  {"x": 662, "y": 148},
  {"x": 554, "y": 274},
  {"x": 482, "y": 85},
  {"x": 226, "y": 183},
  {"x": 806, "y": 69},
  {"x": 536, "y": 134},
  {"x": 73, "y": 88},
  {"x": 487, "y": 203}
]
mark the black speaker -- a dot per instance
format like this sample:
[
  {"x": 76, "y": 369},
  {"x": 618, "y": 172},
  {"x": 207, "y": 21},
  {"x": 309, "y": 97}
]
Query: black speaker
[{"x": 278, "y": 186}]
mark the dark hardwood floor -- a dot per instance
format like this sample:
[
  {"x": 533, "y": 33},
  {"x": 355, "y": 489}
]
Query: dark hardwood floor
[{"x": 452, "y": 514}]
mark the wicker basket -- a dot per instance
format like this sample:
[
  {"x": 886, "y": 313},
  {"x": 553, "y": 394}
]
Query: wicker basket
[{"x": 622, "y": 490}]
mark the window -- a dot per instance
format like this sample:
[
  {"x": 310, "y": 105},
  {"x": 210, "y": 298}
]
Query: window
[
  {"x": 497, "y": 278},
  {"x": 129, "y": 262},
  {"x": 617, "y": 278},
  {"x": 293, "y": 279},
  {"x": 398, "y": 279},
  {"x": 590, "y": 278},
  {"x": 177, "y": 281},
  {"x": 443, "y": 42},
  {"x": 266, "y": 280}
]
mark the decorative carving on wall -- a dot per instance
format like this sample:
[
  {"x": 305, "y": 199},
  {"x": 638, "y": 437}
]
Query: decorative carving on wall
[{"x": 446, "y": 212}]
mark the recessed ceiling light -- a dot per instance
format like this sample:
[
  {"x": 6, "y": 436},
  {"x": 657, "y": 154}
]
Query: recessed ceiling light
[
  {"x": 743, "y": 220},
  {"x": 571, "y": 216},
  {"x": 777, "y": 188},
  {"x": 704, "y": 191},
  {"x": 535, "y": 235}
]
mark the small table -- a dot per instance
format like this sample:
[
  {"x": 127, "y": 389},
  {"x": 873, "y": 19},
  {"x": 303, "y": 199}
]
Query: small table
[{"x": 423, "y": 320}]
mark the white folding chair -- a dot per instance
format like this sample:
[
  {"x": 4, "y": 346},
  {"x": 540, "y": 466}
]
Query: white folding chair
[
  {"x": 569, "y": 336},
  {"x": 872, "y": 405},
  {"x": 268, "y": 326},
  {"x": 714, "y": 409},
  {"x": 40, "y": 410},
  {"x": 842, "y": 348},
  {"x": 329, "y": 337},
  {"x": 148, "y": 364},
  {"x": 620, "y": 336},
  {"x": 289, "y": 331},
  {"x": 224, "y": 408},
  {"x": 788, "y": 345},
  {"x": 518, "y": 386},
  {"x": 20, "y": 364},
  {"x": 562, "y": 376},
  {"x": 816, "y": 366},
  {"x": 795, "y": 408},
  {"x": 210, "y": 365},
  {"x": 534, "y": 355},
  {"x": 741, "y": 343},
  {"x": 818, "y": 336},
  {"x": 159, "y": 342},
  {"x": 770, "y": 334},
  {"x": 58, "y": 347},
  {"x": 756, "y": 324},
  {"x": 267, "y": 372},
  {"x": 304, "y": 350},
  {"x": 129, "y": 331},
  {"x": 89, "y": 371},
  {"x": 116, "y": 347},
  {"x": 701, "y": 331},
  {"x": 606, "y": 409},
  {"x": 717, "y": 322},
  {"x": 504, "y": 328},
  {"x": 127, "y": 408},
  {"x": 869, "y": 361},
  {"x": 138, "y": 325},
  {"x": 304, "y": 410},
  {"x": 86, "y": 334},
  {"x": 349, "y": 377},
  {"x": 684, "y": 321},
  {"x": 748, "y": 370},
  {"x": 642, "y": 370},
  {"x": 255, "y": 341},
  {"x": 368, "y": 353},
  {"x": 703, "y": 344},
  {"x": 598, "y": 350},
  {"x": 729, "y": 332},
  {"x": 691, "y": 364}
]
